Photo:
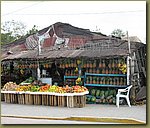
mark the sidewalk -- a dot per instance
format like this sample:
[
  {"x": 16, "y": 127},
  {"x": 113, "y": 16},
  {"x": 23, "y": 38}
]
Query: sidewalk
[{"x": 91, "y": 112}]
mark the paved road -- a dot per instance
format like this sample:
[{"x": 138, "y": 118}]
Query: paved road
[
  {"x": 90, "y": 110},
  {"x": 8, "y": 120}
]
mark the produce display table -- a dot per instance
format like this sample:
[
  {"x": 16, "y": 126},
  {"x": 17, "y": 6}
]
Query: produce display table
[{"x": 46, "y": 98}]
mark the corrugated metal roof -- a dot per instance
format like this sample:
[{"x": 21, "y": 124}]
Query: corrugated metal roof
[
  {"x": 118, "y": 48},
  {"x": 66, "y": 54}
]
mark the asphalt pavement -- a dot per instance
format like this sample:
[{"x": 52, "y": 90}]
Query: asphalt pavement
[
  {"x": 99, "y": 112},
  {"x": 10, "y": 120}
]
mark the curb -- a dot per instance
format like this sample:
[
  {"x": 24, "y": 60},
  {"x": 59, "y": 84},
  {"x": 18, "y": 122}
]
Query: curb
[{"x": 86, "y": 119}]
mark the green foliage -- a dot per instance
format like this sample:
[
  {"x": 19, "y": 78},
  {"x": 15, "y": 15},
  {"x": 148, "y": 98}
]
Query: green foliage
[
  {"x": 7, "y": 38},
  {"x": 33, "y": 30},
  {"x": 118, "y": 33},
  {"x": 13, "y": 30}
]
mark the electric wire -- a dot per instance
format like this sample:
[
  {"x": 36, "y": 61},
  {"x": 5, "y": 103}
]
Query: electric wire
[
  {"x": 82, "y": 13},
  {"x": 22, "y": 9}
]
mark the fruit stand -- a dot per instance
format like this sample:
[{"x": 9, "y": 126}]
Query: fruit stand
[
  {"x": 45, "y": 95},
  {"x": 103, "y": 75},
  {"x": 102, "y": 72}
]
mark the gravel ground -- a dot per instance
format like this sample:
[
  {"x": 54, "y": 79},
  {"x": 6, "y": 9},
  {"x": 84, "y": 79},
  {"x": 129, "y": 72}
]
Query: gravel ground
[{"x": 90, "y": 110}]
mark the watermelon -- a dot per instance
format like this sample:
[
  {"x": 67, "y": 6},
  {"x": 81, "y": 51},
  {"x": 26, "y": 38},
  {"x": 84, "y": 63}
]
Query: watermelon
[
  {"x": 106, "y": 93},
  {"x": 102, "y": 94},
  {"x": 111, "y": 92},
  {"x": 93, "y": 91},
  {"x": 98, "y": 93},
  {"x": 114, "y": 92},
  {"x": 93, "y": 99},
  {"x": 88, "y": 99}
]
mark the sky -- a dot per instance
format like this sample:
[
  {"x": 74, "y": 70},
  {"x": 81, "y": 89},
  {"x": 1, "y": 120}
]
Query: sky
[{"x": 102, "y": 16}]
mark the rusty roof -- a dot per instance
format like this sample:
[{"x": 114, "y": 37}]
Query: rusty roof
[{"x": 117, "y": 49}]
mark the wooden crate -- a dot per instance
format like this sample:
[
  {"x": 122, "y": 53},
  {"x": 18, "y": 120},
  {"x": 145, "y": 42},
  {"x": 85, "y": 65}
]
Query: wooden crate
[
  {"x": 2, "y": 97},
  {"x": 79, "y": 101},
  {"x": 45, "y": 99},
  {"x": 21, "y": 98},
  {"x": 53, "y": 100},
  {"x": 70, "y": 101},
  {"x": 13, "y": 98},
  {"x": 76, "y": 101},
  {"x": 29, "y": 99},
  {"x": 7, "y": 97},
  {"x": 62, "y": 101},
  {"x": 37, "y": 99}
]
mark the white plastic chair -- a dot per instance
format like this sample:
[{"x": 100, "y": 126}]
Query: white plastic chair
[{"x": 120, "y": 94}]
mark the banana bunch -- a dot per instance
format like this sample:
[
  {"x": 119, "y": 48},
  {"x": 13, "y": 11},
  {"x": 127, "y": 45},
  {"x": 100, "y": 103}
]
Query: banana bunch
[
  {"x": 76, "y": 70},
  {"x": 123, "y": 68},
  {"x": 78, "y": 81}
]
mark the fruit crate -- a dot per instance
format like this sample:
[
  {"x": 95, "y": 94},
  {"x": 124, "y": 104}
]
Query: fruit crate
[
  {"x": 79, "y": 101},
  {"x": 53, "y": 100},
  {"x": 37, "y": 99},
  {"x": 45, "y": 99},
  {"x": 2, "y": 97},
  {"x": 50, "y": 99},
  {"x": 14, "y": 98},
  {"x": 21, "y": 98},
  {"x": 10, "y": 97},
  {"x": 61, "y": 101},
  {"x": 28, "y": 99},
  {"x": 7, "y": 97},
  {"x": 76, "y": 101}
]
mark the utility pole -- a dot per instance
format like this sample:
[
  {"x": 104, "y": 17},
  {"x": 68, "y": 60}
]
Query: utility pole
[
  {"x": 129, "y": 62},
  {"x": 129, "y": 45}
]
